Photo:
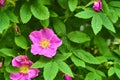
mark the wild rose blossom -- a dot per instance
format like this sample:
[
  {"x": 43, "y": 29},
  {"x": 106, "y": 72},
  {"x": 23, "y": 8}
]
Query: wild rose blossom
[
  {"x": 97, "y": 5},
  {"x": 24, "y": 64},
  {"x": 45, "y": 42},
  {"x": 2, "y": 2},
  {"x": 67, "y": 77}
]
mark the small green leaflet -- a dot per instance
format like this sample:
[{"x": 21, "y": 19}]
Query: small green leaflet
[
  {"x": 40, "y": 11},
  {"x": 86, "y": 14},
  {"x": 78, "y": 37},
  {"x": 72, "y": 4},
  {"x": 96, "y": 23},
  {"x": 50, "y": 71},
  {"x": 86, "y": 56},
  {"x": 4, "y": 21},
  {"x": 64, "y": 68},
  {"x": 21, "y": 41},
  {"x": 25, "y": 13}
]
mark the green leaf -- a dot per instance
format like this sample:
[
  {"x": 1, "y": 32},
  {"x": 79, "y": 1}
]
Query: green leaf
[
  {"x": 86, "y": 14},
  {"x": 12, "y": 16},
  {"x": 53, "y": 14},
  {"x": 62, "y": 57},
  {"x": 92, "y": 69},
  {"x": 99, "y": 72},
  {"x": 6, "y": 75},
  {"x": 113, "y": 15},
  {"x": 78, "y": 37},
  {"x": 91, "y": 76},
  {"x": 115, "y": 3},
  {"x": 45, "y": 23},
  {"x": 50, "y": 71},
  {"x": 63, "y": 3},
  {"x": 107, "y": 23},
  {"x": 21, "y": 41},
  {"x": 72, "y": 4},
  {"x": 96, "y": 23},
  {"x": 86, "y": 56},
  {"x": 25, "y": 13},
  {"x": 111, "y": 71},
  {"x": 117, "y": 11},
  {"x": 12, "y": 69},
  {"x": 4, "y": 21},
  {"x": 64, "y": 68},
  {"x": 105, "y": 6},
  {"x": 40, "y": 63},
  {"x": 8, "y": 52},
  {"x": 101, "y": 59},
  {"x": 40, "y": 11},
  {"x": 45, "y": 2},
  {"x": 117, "y": 70},
  {"x": 77, "y": 61},
  {"x": 7, "y": 61},
  {"x": 103, "y": 48},
  {"x": 59, "y": 27}
]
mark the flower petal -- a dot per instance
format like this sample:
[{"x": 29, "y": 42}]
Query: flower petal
[
  {"x": 17, "y": 61},
  {"x": 35, "y": 49},
  {"x": 35, "y": 36},
  {"x": 21, "y": 60},
  {"x": 47, "y": 33},
  {"x": 25, "y": 77},
  {"x": 50, "y": 52},
  {"x": 33, "y": 73},
  {"x": 16, "y": 76},
  {"x": 55, "y": 41}
]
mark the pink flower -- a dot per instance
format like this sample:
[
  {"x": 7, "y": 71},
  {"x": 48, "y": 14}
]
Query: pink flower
[
  {"x": 0, "y": 64},
  {"x": 45, "y": 42},
  {"x": 97, "y": 5},
  {"x": 24, "y": 64},
  {"x": 2, "y": 2},
  {"x": 67, "y": 77}
]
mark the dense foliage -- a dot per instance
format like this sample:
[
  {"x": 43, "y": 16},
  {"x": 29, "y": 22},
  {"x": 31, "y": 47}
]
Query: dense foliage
[{"x": 90, "y": 37}]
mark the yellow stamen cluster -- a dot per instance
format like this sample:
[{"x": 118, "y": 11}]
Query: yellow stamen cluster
[{"x": 44, "y": 43}]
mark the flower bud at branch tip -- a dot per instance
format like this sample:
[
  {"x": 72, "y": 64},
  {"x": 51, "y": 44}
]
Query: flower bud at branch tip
[
  {"x": 2, "y": 3},
  {"x": 67, "y": 77},
  {"x": 97, "y": 5}
]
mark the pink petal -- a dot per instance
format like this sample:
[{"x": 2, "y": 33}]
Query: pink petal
[
  {"x": 50, "y": 52},
  {"x": 25, "y": 77},
  {"x": 36, "y": 49},
  {"x": 16, "y": 76},
  {"x": 17, "y": 61},
  {"x": 21, "y": 60},
  {"x": 35, "y": 36},
  {"x": 28, "y": 62},
  {"x": 33, "y": 73},
  {"x": 55, "y": 41},
  {"x": 47, "y": 33}
]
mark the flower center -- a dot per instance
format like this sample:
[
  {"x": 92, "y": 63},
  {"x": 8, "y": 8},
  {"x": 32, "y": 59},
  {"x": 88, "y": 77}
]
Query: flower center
[
  {"x": 44, "y": 43},
  {"x": 24, "y": 69}
]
